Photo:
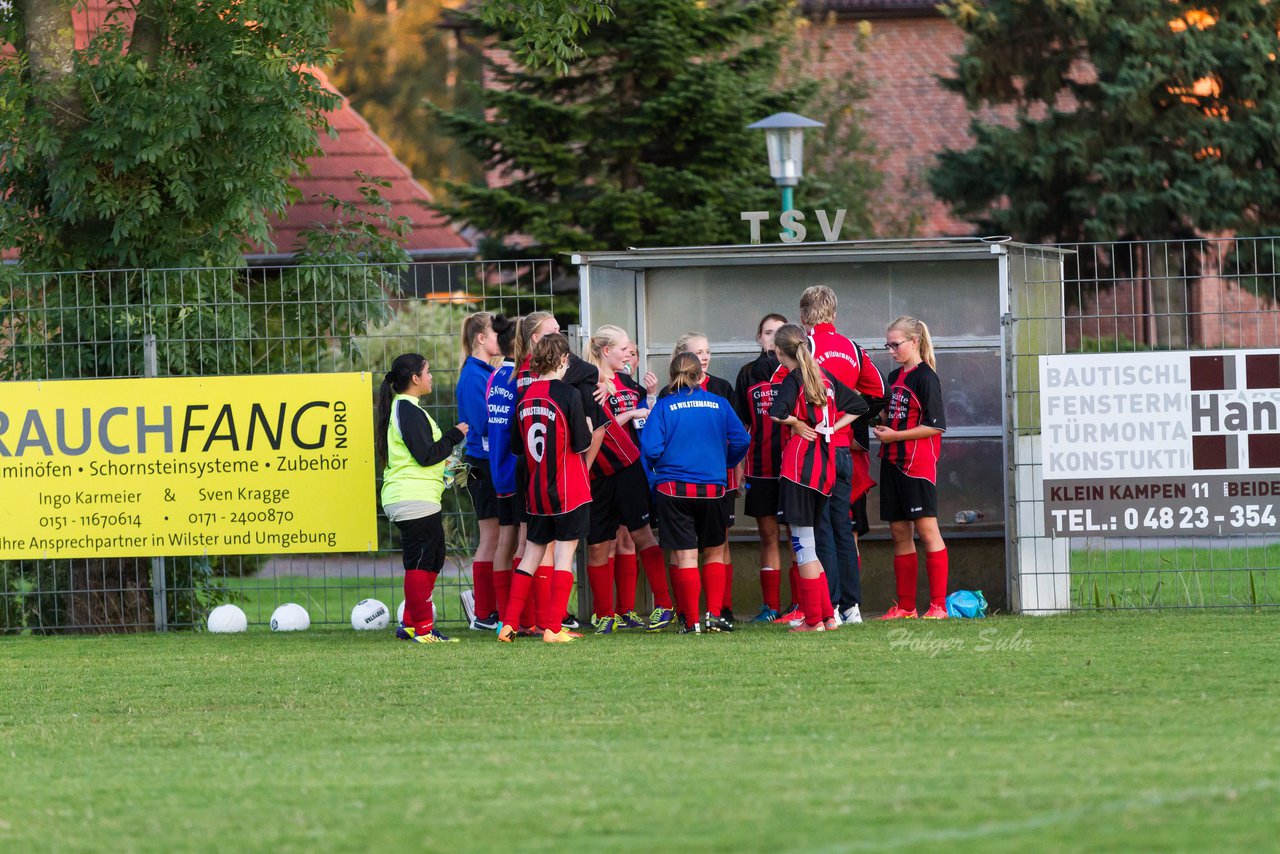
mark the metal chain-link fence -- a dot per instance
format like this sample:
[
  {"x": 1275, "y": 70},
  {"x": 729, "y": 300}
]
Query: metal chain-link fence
[
  {"x": 1175, "y": 295},
  {"x": 245, "y": 321}
]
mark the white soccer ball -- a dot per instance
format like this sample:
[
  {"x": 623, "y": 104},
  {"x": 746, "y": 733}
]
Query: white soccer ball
[
  {"x": 370, "y": 614},
  {"x": 290, "y": 617},
  {"x": 226, "y": 619},
  {"x": 400, "y": 612}
]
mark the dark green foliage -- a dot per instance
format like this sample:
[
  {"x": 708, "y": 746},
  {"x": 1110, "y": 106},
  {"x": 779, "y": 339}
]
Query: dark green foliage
[
  {"x": 171, "y": 156},
  {"x": 1130, "y": 118},
  {"x": 643, "y": 141}
]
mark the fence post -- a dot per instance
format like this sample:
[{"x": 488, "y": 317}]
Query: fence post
[{"x": 159, "y": 602}]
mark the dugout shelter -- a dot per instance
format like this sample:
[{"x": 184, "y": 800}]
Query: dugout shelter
[{"x": 968, "y": 290}]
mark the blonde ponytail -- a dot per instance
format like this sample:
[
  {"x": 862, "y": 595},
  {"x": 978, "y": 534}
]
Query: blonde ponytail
[
  {"x": 528, "y": 325},
  {"x": 793, "y": 341},
  {"x": 913, "y": 328}
]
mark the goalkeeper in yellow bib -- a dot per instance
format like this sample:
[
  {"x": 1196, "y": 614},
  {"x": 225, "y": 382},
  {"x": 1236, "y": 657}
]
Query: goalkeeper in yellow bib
[{"x": 414, "y": 451}]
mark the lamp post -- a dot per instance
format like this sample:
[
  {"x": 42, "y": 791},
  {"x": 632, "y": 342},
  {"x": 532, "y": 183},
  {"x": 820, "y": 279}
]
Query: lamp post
[{"x": 784, "y": 138}]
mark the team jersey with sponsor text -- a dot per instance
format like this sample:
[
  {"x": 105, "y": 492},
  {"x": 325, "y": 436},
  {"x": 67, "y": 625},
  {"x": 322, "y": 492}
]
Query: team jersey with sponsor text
[
  {"x": 915, "y": 399},
  {"x": 812, "y": 462},
  {"x": 621, "y": 446},
  {"x": 550, "y": 432},
  {"x": 753, "y": 394}
]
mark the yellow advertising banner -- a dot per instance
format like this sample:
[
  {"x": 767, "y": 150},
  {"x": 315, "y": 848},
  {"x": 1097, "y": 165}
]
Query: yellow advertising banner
[{"x": 187, "y": 466}]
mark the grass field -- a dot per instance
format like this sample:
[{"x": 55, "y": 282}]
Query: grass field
[
  {"x": 1111, "y": 732},
  {"x": 1242, "y": 575}
]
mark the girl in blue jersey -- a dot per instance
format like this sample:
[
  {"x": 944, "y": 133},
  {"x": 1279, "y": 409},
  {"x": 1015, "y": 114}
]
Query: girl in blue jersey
[
  {"x": 690, "y": 439},
  {"x": 500, "y": 397},
  {"x": 480, "y": 349},
  {"x": 413, "y": 449}
]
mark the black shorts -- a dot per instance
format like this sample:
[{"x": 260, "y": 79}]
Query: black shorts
[
  {"x": 422, "y": 540},
  {"x": 563, "y": 526},
  {"x": 763, "y": 497},
  {"x": 903, "y": 498},
  {"x": 619, "y": 499},
  {"x": 511, "y": 510},
  {"x": 801, "y": 505},
  {"x": 729, "y": 509},
  {"x": 858, "y": 516},
  {"x": 480, "y": 486},
  {"x": 690, "y": 523}
]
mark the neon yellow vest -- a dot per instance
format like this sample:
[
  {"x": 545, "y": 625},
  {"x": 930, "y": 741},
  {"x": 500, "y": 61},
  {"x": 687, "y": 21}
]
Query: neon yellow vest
[{"x": 403, "y": 479}]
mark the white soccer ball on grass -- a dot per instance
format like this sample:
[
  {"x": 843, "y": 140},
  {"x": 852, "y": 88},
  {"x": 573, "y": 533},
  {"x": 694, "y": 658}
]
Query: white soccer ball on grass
[
  {"x": 290, "y": 617},
  {"x": 226, "y": 619},
  {"x": 400, "y": 612},
  {"x": 370, "y": 614}
]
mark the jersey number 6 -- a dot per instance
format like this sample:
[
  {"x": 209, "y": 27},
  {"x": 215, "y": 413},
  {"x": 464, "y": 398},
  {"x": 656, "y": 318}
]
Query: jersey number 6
[{"x": 536, "y": 441}]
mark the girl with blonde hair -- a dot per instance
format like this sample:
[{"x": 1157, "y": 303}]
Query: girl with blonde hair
[{"x": 910, "y": 444}]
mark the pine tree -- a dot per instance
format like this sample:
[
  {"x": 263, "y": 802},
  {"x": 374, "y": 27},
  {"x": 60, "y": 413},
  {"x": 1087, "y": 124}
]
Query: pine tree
[
  {"x": 642, "y": 141},
  {"x": 1124, "y": 118}
]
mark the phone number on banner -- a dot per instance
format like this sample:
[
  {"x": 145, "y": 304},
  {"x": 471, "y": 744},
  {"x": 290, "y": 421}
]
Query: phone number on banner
[{"x": 1186, "y": 505}]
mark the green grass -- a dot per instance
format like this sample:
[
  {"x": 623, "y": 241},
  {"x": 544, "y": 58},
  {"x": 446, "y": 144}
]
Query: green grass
[
  {"x": 1110, "y": 732},
  {"x": 1147, "y": 578}
]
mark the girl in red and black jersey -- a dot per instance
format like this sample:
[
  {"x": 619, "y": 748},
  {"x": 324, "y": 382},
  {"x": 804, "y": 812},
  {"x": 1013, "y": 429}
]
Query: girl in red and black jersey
[
  {"x": 717, "y": 567},
  {"x": 910, "y": 443},
  {"x": 753, "y": 393},
  {"x": 551, "y": 432},
  {"x": 583, "y": 377},
  {"x": 813, "y": 405},
  {"x": 619, "y": 488},
  {"x": 623, "y": 555}
]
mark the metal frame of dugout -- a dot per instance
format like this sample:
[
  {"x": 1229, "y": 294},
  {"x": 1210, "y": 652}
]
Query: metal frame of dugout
[{"x": 967, "y": 289}]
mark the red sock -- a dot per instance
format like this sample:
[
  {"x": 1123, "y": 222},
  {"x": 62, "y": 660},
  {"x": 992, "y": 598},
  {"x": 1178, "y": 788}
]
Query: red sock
[
  {"x": 905, "y": 569},
  {"x": 624, "y": 569},
  {"x": 546, "y": 605},
  {"x": 688, "y": 588},
  {"x": 517, "y": 598},
  {"x": 561, "y": 590},
  {"x": 600, "y": 578},
  {"x": 812, "y": 592},
  {"x": 828, "y": 608},
  {"x": 935, "y": 564},
  {"x": 501, "y": 590},
  {"x": 794, "y": 578},
  {"x": 655, "y": 572},
  {"x": 418, "y": 586},
  {"x": 713, "y": 576},
  {"x": 482, "y": 583},
  {"x": 728, "y": 585},
  {"x": 771, "y": 588}
]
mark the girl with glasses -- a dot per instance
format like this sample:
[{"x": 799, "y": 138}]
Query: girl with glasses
[{"x": 910, "y": 444}]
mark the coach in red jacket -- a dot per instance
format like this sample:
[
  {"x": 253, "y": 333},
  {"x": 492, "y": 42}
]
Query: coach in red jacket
[{"x": 836, "y": 542}]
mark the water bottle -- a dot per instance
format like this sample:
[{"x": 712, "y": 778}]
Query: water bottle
[
  {"x": 965, "y": 517},
  {"x": 455, "y": 470}
]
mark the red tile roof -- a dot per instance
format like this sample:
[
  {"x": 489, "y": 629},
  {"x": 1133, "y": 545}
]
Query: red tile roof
[{"x": 356, "y": 147}]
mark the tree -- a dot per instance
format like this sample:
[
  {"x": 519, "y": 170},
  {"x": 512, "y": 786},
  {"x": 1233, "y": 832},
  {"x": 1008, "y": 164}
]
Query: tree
[
  {"x": 391, "y": 61},
  {"x": 642, "y": 141},
  {"x": 167, "y": 139},
  {"x": 1125, "y": 118}
]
